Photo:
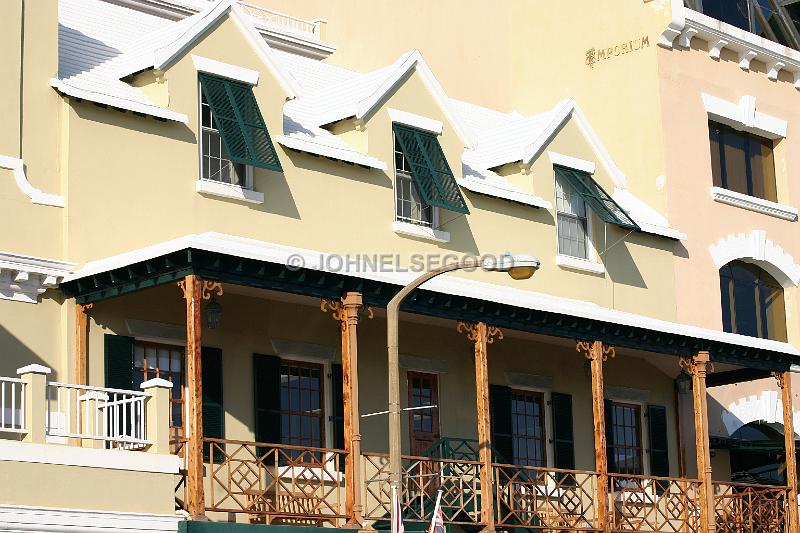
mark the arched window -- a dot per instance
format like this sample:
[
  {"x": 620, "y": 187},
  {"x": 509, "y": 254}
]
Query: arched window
[{"x": 752, "y": 302}]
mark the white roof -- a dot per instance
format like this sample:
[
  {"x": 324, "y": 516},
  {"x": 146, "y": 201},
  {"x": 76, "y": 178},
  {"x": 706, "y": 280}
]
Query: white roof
[
  {"x": 101, "y": 42},
  {"x": 445, "y": 284}
]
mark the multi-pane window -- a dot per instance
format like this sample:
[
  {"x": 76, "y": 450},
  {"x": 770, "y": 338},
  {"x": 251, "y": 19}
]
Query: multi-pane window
[
  {"x": 742, "y": 162},
  {"x": 215, "y": 163},
  {"x": 572, "y": 221},
  {"x": 528, "y": 425},
  {"x": 775, "y": 21},
  {"x": 423, "y": 391},
  {"x": 752, "y": 302},
  {"x": 625, "y": 442},
  {"x": 410, "y": 205},
  {"x": 151, "y": 360},
  {"x": 302, "y": 406}
]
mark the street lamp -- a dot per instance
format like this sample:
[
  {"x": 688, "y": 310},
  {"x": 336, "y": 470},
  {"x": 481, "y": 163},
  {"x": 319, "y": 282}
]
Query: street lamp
[{"x": 519, "y": 268}]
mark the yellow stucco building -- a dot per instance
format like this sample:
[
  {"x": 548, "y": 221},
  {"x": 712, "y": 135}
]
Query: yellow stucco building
[{"x": 209, "y": 204}]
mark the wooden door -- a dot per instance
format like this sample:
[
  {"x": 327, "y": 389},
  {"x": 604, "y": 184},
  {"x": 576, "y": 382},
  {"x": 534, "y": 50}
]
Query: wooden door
[{"x": 423, "y": 390}]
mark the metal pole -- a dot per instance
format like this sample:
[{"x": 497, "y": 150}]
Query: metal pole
[{"x": 392, "y": 329}]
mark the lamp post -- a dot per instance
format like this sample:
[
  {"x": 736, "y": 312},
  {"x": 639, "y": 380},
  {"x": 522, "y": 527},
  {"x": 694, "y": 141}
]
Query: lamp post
[{"x": 519, "y": 268}]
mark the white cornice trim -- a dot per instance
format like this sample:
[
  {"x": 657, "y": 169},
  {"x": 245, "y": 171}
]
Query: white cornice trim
[
  {"x": 52, "y": 520},
  {"x": 226, "y": 70},
  {"x": 317, "y": 260},
  {"x": 562, "y": 112},
  {"x": 687, "y": 24},
  {"x": 503, "y": 191},
  {"x": 53, "y": 454},
  {"x": 127, "y": 105},
  {"x": 421, "y": 232},
  {"x": 756, "y": 247},
  {"x": 227, "y": 190},
  {"x": 571, "y": 162},
  {"x": 744, "y": 117},
  {"x": 23, "y": 278},
  {"x": 416, "y": 121},
  {"x": 17, "y": 166},
  {"x": 751, "y": 203},
  {"x": 310, "y": 146}
]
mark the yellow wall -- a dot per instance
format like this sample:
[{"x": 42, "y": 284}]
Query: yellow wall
[
  {"x": 76, "y": 487},
  {"x": 250, "y": 324}
]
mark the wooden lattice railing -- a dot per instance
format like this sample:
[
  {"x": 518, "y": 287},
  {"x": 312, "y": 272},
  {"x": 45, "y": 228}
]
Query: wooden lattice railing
[
  {"x": 648, "y": 503},
  {"x": 745, "y": 508},
  {"x": 545, "y": 499},
  {"x": 423, "y": 477},
  {"x": 273, "y": 483}
]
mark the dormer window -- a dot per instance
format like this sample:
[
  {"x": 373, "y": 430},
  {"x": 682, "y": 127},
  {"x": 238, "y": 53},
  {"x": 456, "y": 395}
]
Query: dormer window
[
  {"x": 233, "y": 112},
  {"x": 424, "y": 181},
  {"x": 216, "y": 164},
  {"x": 410, "y": 205}
]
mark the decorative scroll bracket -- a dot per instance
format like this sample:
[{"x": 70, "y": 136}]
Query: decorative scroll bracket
[
  {"x": 473, "y": 331},
  {"x": 587, "y": 348}
]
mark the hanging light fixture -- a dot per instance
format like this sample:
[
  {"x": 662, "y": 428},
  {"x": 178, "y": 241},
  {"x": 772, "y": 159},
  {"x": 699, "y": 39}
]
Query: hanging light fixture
[
  {"x": 683, "y": 382},
  {"x": 213, "y": 313}
]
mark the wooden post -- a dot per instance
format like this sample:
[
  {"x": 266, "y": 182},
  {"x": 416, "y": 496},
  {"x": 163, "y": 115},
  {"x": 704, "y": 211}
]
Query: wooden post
[
  {"x": 597, "y": 354},
  {"x": 785, "y": 383},
  {"x": 192, "y": 291},
  {"x": 80, "y": 366},
  {"x": 697, "y": 367},
  {"x": 483, "y": 335},
  {"x": 347, "y": 312}
]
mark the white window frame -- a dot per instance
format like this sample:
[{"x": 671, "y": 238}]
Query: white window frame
[
  {"x": 591, "y": 264},
  {"x": 209, "y": 187},
  {"x": 401, "y": 225}
]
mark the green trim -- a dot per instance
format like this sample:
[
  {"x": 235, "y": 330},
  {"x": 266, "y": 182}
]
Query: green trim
[
  {"x": 435, "y": 181},
  {"x": 596, "y": 197},
  {"x": 310, "y": 282},
  {"x": 239, "y": 121}
]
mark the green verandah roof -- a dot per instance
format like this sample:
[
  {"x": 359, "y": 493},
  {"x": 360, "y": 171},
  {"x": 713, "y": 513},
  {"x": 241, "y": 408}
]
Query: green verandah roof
[
  {"x": 596, "y": 198},
  {"x": 239, "y": 121},
  {"x": 429, "y": 168}
]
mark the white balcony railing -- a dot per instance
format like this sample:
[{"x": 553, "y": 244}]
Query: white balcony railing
[
  {"x": 12, "y": 405},
  {"x": 274, "y": 18},
  {"x": 112, "y": 416}
]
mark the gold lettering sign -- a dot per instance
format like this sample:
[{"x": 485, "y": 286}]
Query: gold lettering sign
[{"x": 596, "y": 55}]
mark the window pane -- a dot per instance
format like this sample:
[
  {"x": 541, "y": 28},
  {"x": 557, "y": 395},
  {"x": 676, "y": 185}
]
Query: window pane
[
  {"x": 725, "y": 290},
  {"x": 733, "y": 12},
  {"x": 773, "y": 313},
  {"x": 762, "y": 169},
  {"x": 735, "y": 161},
  {"x": 410, "y": 205},
  {"x": 716, "y": 164}
]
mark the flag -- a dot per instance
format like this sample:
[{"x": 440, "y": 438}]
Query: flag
[
  {"x": 437, "y": 522},
  {"x": 397, "y": 514}
]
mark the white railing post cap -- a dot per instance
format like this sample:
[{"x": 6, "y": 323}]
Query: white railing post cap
[
  {"x": 156, "y": 382},
  {"x": 34, "y": 369}
]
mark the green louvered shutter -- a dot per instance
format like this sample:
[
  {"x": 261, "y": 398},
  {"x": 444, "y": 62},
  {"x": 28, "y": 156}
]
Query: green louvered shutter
[
  {"x": 337, "y": 388},
  {"x": 267, "y": 391},
  {"x": 213, "y": 410},
  {"x": 239, "y": 121},
  {"x": 429, "y": 168},
  {"x": 119, "y": 362},
  {"x": 563, "y": 435},
  {"x": 502, "y": 425},
  {"x": 596, "y": 198},
  {"x": 611, "y": 457},
  {"x": 659, "y": 448}
]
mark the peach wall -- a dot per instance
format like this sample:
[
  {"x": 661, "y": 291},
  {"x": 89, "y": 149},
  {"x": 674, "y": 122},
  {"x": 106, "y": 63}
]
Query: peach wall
[{"x": 684, "y": 75}]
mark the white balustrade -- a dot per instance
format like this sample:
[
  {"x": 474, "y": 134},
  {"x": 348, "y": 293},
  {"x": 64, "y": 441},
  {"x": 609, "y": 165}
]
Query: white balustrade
[
  {"x": 12, "y": 405},
  {"x": 113, "y": 418},
  {"x": 270, "y": 17}
]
